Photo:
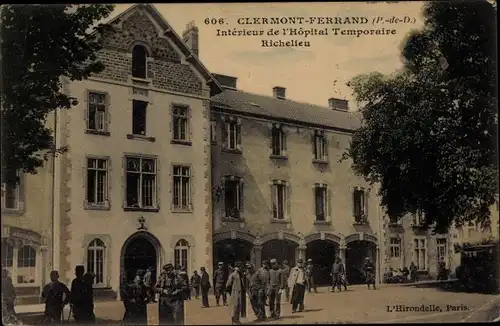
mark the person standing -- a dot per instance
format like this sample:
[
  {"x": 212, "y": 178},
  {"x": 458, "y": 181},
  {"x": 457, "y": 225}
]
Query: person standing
[
  {"x": 219, "y": 284},
  {"x": 183, "y": 273},
  {"x": 343, "y": 276},
  {"x": 148, "y": 283},
  {"x": 275, "y": 288},
  {"x": 194, "y": 282},
  {"x": 369, "y": 270},
  {"x": 235, "y": 287},
  {"x": 56, "y": 296},
  {"x": 261, "y": 282},
  {"x": 286, "y": 273},
  {"x": 204, "y": 287},
  {"x": 337, "y": 272},
  {"x": 413, "y": 272},
  {"x": 253, "y": 292},
  {"x": 137, "y": 298},
  {"x": 310, "y": 271},
  {"x": 297, "y": 282},
  {"x": 441, "y": 269},
  {"x": 172, "y": 288},
  {"x": 8, "y": 300},
  {"x": 78, "y": 289},
  {"x": 88, "y": 280}
]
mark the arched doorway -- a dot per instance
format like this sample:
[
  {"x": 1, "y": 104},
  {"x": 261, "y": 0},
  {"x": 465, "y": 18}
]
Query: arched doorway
[
  {"x": 231, "y": 250},
  {"x": 322, "y": 253},
  {"x": 356, "y": 253},
  {"x": 139, "y": 252},
  {"x": 280, "y": 250}
]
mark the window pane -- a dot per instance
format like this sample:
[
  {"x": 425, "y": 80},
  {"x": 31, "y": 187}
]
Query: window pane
[
  {"x": 139, "y": 55},
  {"x": 11, "y": 199},
  {"x": 133, "y": 189},
  {"x": 177, "y": 186},
  {"x": 101, "y": 187},
  {"x": 7, "y": 255},
  {"x": 133, "y": 164},
  {"x": 148, "y": 185},
  {"x": 185, "y": 192},
  {"x": 139, "y": 118}
]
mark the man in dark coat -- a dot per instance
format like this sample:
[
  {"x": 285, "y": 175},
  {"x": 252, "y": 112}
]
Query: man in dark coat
[
  {"x": 286, "y": 273},
  {"x": 275, "y": 288},
  {"x": 194, "y": 283},
  {"x": 413, "y": 272},
  {"x": 441, "y": 269},
  {"x": 369, "y": 270},
  {"x": 220, "y": 280},
  {"x": 78, "y": 295},
  {"x": 261, "y": 283},
  {"x": 56, "y": 296},
  {"x": 204, "y": 287},
  {"x": 337, "y": 274},
  {"x": 185, "y": 276},
  {"x": 172, "y": 288},
  {"x": 88, "y": 279},
  {"x": 137, "y": 298}
]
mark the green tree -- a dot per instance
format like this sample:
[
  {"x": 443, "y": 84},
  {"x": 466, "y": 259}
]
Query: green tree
[
  {"x": 429, "y": 131},
  {"x": 39, "y": 45}
]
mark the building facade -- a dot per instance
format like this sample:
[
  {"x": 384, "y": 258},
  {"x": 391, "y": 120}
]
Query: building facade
[{"x": 279, "y": 188}]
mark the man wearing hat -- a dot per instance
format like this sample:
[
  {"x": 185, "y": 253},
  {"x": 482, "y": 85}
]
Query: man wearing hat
[
  {"x": 220, "y": 283},
  {"x": 172, "y": 289},
  {"x": 205, "y": 287},
  {"x": 286, "y": 273},
  {"x": 236, "y": 287},
  {"x": 275, "y": 288},
  {"x": 297, "y": 282},
  {"x": 310, "y": 271},
  {"x": 253, "y": 290},
  {"x": 369, "y": 270}
]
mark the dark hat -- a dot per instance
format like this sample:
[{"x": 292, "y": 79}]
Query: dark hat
[
  {"x": 202, "y": 269},
  {"x": 249, "y": 264},
  {"x": 300, "y": 260},
  {"x": 265, "y": 262},
  {"x": 140, "y": 272},
  {"x": 168, "y": 266},
  {"x": 237, "y": 264}
]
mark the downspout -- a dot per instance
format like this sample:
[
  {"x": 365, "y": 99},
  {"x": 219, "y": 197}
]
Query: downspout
[
  {"x": 56, "y": 223},
  {"x": 380, "y": 235}
]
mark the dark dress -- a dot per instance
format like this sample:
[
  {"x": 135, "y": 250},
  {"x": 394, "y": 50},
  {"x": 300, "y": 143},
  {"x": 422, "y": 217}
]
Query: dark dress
[
  {"x": 78, "y": 296},
  {"x": 205, "y": 287},
  {"x": 136, "y": 297}
]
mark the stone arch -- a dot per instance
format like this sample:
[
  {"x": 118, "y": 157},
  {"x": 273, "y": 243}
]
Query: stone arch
[
  {"x": 229, "y": 235},
  {"x": 366, "y": 237},
  {"x": 317, "y": 236},
  {"x": 160, "y": 252},
  {"x": 276, "y": 236},
  {"x": 149, "y": 49}
]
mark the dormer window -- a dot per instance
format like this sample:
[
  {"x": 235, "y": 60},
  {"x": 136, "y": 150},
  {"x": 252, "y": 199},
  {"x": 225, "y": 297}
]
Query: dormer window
[{"x": 139, "y": 61}]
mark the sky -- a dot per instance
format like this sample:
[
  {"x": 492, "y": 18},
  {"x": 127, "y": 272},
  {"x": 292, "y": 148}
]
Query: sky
[{"x": 311, "y": 74}]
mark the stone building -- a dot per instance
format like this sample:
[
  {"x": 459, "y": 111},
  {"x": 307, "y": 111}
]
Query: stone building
[
  {"x": 133, "y": 189},
  {"x": 27, "y": 233},
  {"x": 279, "y": 188}
]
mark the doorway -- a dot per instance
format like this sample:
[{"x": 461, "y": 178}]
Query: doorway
[
  {"x": 356, "y": 253},
  {"x": 322, "y": 253},
  {"x": 229, "y": 251},
  {"x": 139, "y": 253}
]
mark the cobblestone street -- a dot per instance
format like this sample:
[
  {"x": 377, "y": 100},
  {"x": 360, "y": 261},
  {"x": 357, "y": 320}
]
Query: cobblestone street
[{"x": 357, "y": 305}]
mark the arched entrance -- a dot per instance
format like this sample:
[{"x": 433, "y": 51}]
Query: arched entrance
[
  {"x": 356, "y": 253},
  {"x": 140, "y": 251},
  {"x": 322, "y": 253},
  {"x": 231, "y": 250},
  {"x": 280, "y": 250}
]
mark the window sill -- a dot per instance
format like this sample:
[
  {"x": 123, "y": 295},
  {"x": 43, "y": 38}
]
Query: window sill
[
  {"x": 101, "y": 287},
  {"x": 141, "y": 137},
  {"x": 27, "y": 285},
  {"x": 233, "y": 219},
  {"x": 181, "y": 210},
  {"x": 279, "y": 221},
  {"x": 13, "y": 211},
  {"x": 140, "y": 209},
  {"x": 103, "y": 207},
  {"x": 141, "y": 80},
  {"x": 360, "y": 223},
  {"x": 278, "y": 157},
  {"x": 322, "y": 222},
  {"x": 181, "y": 142},
  {"x": 318, "y": 161},
  {"x": 97, "y": 132},
  {"x": 232, "y": 151}
]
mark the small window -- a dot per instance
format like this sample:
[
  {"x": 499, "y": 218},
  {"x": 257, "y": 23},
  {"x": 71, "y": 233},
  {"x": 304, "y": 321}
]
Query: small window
[
  {"x": 180, "y": 123},
  {"x": 320, "y": 199},
  {"x": 279, "y": 200},
  {"x": 278, "y": 141},
  {"x": 231, "y": 135},
  {"x": 320, "y": 149},
  {"x": 359, "y": 205},
  {"x": 395, "y": 247},
  {"x": 139, "y": 61},
  {"x": 182, "y": 187},
  {"x": 139, "y": 117},
  {"x": 11, "y": 196},
  {"x": 233, "y": 197},
  {"x": 96, "y": 119}
]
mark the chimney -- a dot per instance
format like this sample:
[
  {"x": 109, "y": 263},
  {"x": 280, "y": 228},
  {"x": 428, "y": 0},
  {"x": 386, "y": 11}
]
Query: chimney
[
  {"x": 279, "y": 92},
  {"x": 226, "y": 81},
  {"x": 190, "y": 37},
  {"x": 338, "y": 104}
]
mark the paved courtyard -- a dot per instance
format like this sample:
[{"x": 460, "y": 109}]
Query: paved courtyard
[{"x": 357, "y": 305}]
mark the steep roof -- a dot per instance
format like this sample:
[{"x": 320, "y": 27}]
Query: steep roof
[
  {"x": 192, "y": 58},
  {"x": 285, "y": 110}
]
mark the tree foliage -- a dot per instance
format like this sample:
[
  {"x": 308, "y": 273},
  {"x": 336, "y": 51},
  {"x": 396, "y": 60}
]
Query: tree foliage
[
  {"x": 40, "y": 44},
  {"x": 429, "y": 131}
]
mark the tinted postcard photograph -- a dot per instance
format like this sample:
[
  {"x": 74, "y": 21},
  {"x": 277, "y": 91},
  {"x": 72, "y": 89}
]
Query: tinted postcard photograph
[{"x": 249, "y": 163}]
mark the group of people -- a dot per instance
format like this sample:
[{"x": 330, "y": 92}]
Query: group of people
[
  {"x": 56, "y": 296},
  {"x": 409, "y": 274}
]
